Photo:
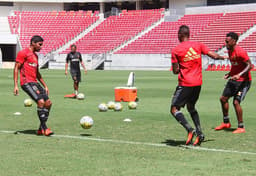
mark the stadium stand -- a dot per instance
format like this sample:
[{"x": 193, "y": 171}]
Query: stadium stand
[
  {"x": 249, "y": 43},
  {"x": 207, "y": 28},
  {"x": 56, "y": 28},
  {"x": 115, "y": 30},
  {"x": 214, "y": 34},
  {"x": 164, "y": 37}
]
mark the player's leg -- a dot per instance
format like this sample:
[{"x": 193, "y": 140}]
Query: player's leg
[
  {"x": 32, "y": 90},
  {"x": 76, "y": 85},
  {"x": 194, "y": 114},
  {"x": 76, "y": 78},
  {"x": 227, "y": 93},
  {"x": 45, "y": 110},
  {"x": 237, "y": 105},
  {"x": 178, "y": 101},
  {"x": 239, "y": 115}
]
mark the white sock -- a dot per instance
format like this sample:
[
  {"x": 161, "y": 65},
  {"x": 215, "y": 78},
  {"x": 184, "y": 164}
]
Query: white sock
[{"x": 76, "y": 92}]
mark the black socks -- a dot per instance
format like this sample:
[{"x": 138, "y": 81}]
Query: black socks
[
  {"x": 43, "y": 114},
  {"x": 181, "y": 119},
  {"x": 195, "y": 117}
]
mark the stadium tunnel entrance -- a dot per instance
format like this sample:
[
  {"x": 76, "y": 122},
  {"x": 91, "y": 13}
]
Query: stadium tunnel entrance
[
  {"x": 108, "y": 6},
  {"x": 8, "y": 52}
]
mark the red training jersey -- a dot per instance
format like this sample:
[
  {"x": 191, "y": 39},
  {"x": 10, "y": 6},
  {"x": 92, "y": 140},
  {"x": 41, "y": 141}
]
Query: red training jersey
[
  {"x": 29, "y": 68},
  {"x": 238, "y": 57},
  {"x": 188, "y": 55}
]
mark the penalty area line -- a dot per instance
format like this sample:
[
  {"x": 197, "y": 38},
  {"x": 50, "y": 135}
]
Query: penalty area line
[{"x": 139, "y": 143}]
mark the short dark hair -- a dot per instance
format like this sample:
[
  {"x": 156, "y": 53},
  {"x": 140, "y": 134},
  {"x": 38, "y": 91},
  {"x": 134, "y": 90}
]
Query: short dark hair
[
  {"x": 73, "y": 46},
  {"x": 36, "y": 38},
  {"x": 184, "y": 31},
  {"x": 233, "y": 35}
]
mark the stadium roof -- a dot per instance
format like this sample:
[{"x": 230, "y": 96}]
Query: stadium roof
[{"x": 64, "y": 1}]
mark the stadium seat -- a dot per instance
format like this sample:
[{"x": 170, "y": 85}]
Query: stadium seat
[
  {"x": 53, "y": 26},
  {"x": 116, "y": 30}
]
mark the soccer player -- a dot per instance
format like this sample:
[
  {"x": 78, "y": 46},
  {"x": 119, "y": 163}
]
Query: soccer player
[
  {"x": 238, "y": 84},
  {"x": 75, "y": 59},
  {"x": 27, "y": 64},
  {"x": 187, "y": 62}
]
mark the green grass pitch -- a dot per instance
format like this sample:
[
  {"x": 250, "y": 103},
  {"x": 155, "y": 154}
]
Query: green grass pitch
[{"x": 26, "y": 154}]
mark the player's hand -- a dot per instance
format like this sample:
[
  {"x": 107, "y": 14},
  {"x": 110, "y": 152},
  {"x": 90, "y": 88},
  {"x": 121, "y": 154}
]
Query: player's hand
[
  {"x": 85, "y": 72},
  {"x": 66, "y": 73},
  {"x": 226, "y": 57},
  {"x": 226, "y": 76},
  {"x": 235, "y": 77},
  {"x": 16, "y": 91},
  {"x": 47, "y": 90}
]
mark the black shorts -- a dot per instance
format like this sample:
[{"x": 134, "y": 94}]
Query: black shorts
[
  {"x": 76, "y": 76},
  {"x": 35, "y": 91},
  {"x": 185, "y": 95},
  {"x": 236, "y": 89}
]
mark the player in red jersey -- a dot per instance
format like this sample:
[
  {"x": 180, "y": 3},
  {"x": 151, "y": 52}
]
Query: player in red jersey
[
  {"x": 187, "y": 62},
  {"x": 238, "y": 84},
  {"x": 27, "y": 64}
]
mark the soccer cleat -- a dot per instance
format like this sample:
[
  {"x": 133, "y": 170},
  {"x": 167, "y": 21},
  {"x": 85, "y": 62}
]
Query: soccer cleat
[
  {"x": 199, "y": 140},
  {"x": 40, "y": 132},
  {"x": 48, "y": 132},
  {"x": 239, "y": 130},
  {"x": 223, "y": 126},
  {"x": 190, "y": 137}
]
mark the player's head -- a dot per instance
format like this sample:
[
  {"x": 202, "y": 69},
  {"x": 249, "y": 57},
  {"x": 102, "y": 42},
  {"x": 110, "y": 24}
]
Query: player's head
[
  {"x": 183, "y": 33},
  {"x": 36, "y": 42},
  {"x": 73, "y": 48},
  {"x": 231, "y": 39}
]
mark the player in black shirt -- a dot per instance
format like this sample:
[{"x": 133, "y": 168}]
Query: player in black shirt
[{"x": 75, "y": 59}]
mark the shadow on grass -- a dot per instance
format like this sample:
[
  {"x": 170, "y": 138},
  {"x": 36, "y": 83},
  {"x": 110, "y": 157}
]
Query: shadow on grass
[
  {"x": 230, "y": 129},
  {"x": 85, "y": 135},
  {"x": 227, "y": 129},
  {"x": 31, "y": 132},
  {"x": 174, "y": 143}
]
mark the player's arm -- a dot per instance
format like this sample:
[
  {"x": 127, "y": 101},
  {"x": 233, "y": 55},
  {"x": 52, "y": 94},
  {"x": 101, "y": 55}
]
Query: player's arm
[
  {"x": 245, "y": 70},
  {"x": 175, "y": 63},
  {"x": 82, "y": 63},
  {"x": 216, "y": 56},
  {"x": 175, "y": 68},
  {"x": 41, "y": 80},
  {"x": 66, "y": 65},
  {"x": 15, "y": 77}
]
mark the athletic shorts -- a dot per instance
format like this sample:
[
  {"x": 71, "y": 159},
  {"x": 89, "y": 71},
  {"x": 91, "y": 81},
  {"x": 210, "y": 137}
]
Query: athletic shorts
[
  {"x": 35, "y": 91},
  {"x": 76, "y": 76},
  {"x": 236, "y": 89},
  {"x": 185, "y": 95}
]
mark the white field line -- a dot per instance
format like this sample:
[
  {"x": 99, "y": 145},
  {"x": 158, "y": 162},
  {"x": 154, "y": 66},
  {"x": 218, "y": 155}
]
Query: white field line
[{"x": 140, "y": 143}]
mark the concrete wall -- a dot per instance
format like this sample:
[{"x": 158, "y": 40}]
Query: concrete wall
[
  {"x": 38, "y": 6},
  {"x": 5, "y": 11},
  {"x": 221, "y": 9},
  {"x": 180, "y": 5},
  {"x": 138, "y": 62}
]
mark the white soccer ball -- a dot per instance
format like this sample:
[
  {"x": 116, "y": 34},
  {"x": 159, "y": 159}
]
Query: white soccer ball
[
  {"x": 118, "y": 107},
  {"x": 86, "y": 122},
  {"x": 27, "y": 102},
  {"x": 132, "y": 105},
  {"x": 103, "y": 107},
  {"x": 111, "y": 105},
  {"x": 80, "y": 96}
]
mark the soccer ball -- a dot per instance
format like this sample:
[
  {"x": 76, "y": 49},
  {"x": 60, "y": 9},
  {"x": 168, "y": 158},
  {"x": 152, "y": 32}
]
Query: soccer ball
[
  {"x": 27, "y": 102},
  {"x": 86, "y": 122},
  {"x": 132, "y": 105},
  {"x": 118, "y": 107},
  {"x": 111, "y": 105},
  {"x": 103, "y": 107},
  {"x": 80, "y": 96}
]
